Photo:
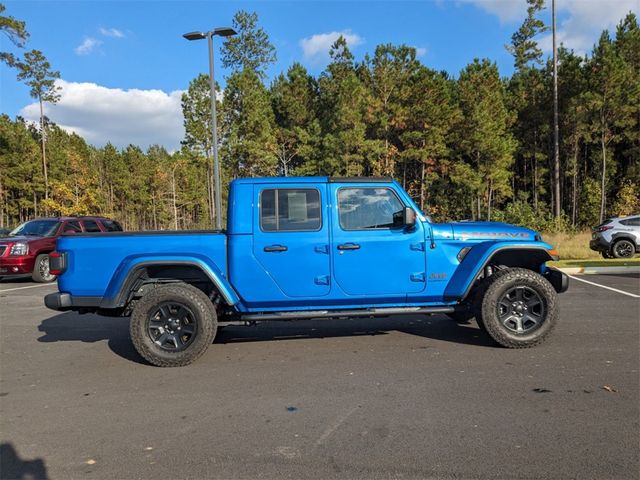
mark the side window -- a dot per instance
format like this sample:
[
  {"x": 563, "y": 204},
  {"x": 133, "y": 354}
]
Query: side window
[
  {"x": 634, "y": 222},
  {"x": 290, "y": 210},
  {"x": 111, "y": 226},
  {"x": 72, "y": 225},
  {"x": 368, "y": 208},
  {"x": 90, "y": 226}
]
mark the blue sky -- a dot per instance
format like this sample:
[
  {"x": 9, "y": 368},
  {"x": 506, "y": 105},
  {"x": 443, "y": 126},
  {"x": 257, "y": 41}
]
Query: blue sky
[{"x": 124, "y": 64}]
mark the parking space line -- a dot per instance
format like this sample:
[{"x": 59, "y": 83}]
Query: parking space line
[
  {"x": 604, "y": 286},
  {"x": 23, "y": 288}
]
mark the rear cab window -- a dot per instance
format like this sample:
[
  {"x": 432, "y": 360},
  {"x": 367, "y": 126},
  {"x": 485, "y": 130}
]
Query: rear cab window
[{"x": 290, "y": 210}]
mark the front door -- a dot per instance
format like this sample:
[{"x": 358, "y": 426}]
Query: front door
[
  {"x": 291, "y": 238},
  {"x": 372, "y": 256}
]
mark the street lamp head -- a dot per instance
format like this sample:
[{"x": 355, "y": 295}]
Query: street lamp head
[
  {"x": 195, "y": 35},
  {"x": 224, "y": 32}
]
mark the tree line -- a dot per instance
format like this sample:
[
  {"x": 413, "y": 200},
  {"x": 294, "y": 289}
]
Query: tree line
[{"x": 476, "y": 146}]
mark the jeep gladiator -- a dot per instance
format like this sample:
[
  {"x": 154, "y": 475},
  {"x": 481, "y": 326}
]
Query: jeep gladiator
[{"x": 310, "y": 247}]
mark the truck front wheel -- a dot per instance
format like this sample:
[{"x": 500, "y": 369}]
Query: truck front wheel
[
  {"x": 173, "y": 325},
  {"x": 519, "y": 308}
]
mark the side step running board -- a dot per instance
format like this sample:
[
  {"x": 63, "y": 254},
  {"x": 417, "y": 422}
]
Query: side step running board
[{"x": 369, "y": 312}]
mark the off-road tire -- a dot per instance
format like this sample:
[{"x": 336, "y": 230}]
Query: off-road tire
[
  {"x": 474, "y": 299},
  {"x": 41, "y": 273},
  {"x": 623, "y": 249},
  {"x": 499, "y": 285},
  {"x": 204, "y": 315}
]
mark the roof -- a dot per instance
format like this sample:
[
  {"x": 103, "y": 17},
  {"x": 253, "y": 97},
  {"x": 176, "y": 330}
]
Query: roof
[
  {"x": 288, "y": 180},
  {"x": 63, "y": 219}
]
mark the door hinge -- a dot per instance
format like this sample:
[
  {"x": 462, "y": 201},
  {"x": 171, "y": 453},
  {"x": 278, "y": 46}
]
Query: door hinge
[
  {"x": 417, "y": 277},
  {"x": 321, "y": 249},
  {"x": 417, "y": 246},
  {"x": 322, "y": 280}
]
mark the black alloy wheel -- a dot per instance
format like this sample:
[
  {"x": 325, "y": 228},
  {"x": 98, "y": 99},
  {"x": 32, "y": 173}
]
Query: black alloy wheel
[
  {"x": 172, "y": 326},
  {"x": 521, "y": 310}
]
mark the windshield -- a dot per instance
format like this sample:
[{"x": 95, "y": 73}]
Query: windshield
[{"x": 40, "y": 228}]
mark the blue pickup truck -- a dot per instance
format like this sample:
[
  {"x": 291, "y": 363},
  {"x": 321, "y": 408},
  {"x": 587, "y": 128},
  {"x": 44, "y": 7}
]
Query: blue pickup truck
[{"x": 310, "y": 247}]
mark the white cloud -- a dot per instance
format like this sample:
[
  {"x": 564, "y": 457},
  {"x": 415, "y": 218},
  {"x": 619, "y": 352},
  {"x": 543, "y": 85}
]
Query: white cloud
[
  {"x": 585, "y": 21},
  {"x": 506, "y": 10},
  {"x": 316, "y": 47},
  {"x": 581, "y": 24},
  {"x": 111, "y": 32},
  {"x": 100, "y": 115},
  {"x": 420, "y": 51},
  {"x": 86, "y": 47}
]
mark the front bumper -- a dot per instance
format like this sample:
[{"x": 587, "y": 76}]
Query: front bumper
[
  {"x": 559, "y": 280},
  {"x": 16, "y": 265}
]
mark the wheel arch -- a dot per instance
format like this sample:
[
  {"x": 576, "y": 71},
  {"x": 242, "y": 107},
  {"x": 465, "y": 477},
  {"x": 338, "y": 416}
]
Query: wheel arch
[
  {"x": 191, "y": 271},
  {"x": 531, "y": 256},
  {"x": 623, "y": 236}
]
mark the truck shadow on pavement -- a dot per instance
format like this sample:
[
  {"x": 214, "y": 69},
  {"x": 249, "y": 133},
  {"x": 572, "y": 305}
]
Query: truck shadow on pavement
[
  {"x": 14, "y": 467},
  {"x": 72, "y": 327}
]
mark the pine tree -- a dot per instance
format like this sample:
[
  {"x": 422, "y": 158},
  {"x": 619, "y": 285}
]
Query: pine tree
[
  {"x": 249, "y": 143},
  {"x": 35, "y": 71},
  {"x": 608, "y": 101},
  {"x": 344, "y": 101},
  {"x": 250, "y": 49},
  {"x": 484, "y": 139},
  {"x": 293, "y": 102}
]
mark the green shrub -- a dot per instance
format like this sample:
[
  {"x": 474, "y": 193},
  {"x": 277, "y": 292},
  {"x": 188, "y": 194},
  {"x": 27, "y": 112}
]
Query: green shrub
[{"x": 520, "y": 212}]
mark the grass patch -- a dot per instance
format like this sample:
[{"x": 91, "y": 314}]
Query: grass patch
[
  {"x": 574, "y": 251},
  {"x": 572, "y": 246},
  {"x": 614, "y": 262}
]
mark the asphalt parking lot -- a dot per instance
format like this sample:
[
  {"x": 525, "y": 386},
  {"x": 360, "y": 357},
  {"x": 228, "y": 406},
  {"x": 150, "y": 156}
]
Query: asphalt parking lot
[{"x": 385, "y": 398}]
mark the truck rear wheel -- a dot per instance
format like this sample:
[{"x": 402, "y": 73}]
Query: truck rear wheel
[
  {"x": 519, "y": 308},
  {"x": 173, "y": 325}
]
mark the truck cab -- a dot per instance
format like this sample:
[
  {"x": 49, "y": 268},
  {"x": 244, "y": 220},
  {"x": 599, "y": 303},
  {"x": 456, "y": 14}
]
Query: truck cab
[{"x": 311, "y": 247}]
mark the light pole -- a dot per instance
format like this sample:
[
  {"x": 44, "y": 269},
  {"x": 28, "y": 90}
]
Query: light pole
[
  {"x": 221, "y": 32},
  {"x": 556, "y": 135}
]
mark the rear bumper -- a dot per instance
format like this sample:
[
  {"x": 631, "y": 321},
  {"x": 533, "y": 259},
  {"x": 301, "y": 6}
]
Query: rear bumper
[
  {"x": 16, "y": 265},
  {"x": 63, "y": 302},
  {"x": 559, "y": 280},
  {"x": 599, "y": 244}
]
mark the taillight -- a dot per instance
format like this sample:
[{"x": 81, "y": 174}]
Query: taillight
[
  {"x": 603, "y": 228},
  {"x": 57, "y": 263}
]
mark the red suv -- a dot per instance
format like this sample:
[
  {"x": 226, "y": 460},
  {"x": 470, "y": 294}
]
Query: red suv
[{"x": 26, "y": 250}]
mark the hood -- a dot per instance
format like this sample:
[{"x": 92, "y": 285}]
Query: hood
[
  {"x": 20, "y": 238},
  {"x": 492, "y": 231}
]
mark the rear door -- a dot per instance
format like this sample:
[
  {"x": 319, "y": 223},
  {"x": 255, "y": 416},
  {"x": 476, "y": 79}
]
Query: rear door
[
  {"x": 371, "y": 256},
  {"x": 291, "y": 238}
]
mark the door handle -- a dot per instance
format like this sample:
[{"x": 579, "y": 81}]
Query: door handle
[
  {"x": 349, "y": 246},
  {"x": 276, "y": 248}
]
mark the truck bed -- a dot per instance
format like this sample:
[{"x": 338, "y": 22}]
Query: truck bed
[{"x": 97, "y": 261}]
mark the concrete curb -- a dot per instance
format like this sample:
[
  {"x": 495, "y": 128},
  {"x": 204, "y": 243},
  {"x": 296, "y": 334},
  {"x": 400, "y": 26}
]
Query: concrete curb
[{"x": 600, "y": 270}]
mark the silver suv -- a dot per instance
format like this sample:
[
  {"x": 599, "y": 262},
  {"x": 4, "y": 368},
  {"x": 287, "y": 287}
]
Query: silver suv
[{"x": 617, "y": 237}]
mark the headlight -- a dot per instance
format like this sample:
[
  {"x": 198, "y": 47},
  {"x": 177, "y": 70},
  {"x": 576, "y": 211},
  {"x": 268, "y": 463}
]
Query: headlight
[{"x": 19, "y": 248}]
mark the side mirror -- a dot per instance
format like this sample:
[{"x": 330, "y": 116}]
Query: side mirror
[
  {"x": 409, "y": 216},
  {"x": 404, "y": 218}
]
